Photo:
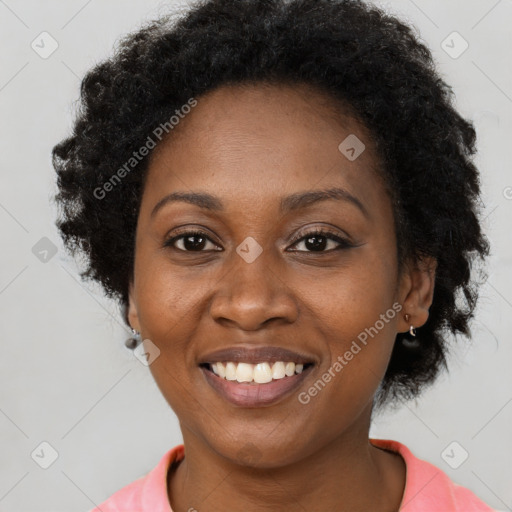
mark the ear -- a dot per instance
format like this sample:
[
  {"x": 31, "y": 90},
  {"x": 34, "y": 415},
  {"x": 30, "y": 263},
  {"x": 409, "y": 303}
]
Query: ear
[
  {"x": 133, "y": 316},
  {"x": 416, "y": 292}
]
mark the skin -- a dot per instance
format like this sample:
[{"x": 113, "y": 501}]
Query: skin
[{"x": 251, "y": 146}]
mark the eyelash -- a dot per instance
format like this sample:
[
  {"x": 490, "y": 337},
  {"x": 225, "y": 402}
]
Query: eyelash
[{"x": 343, "y": 243}]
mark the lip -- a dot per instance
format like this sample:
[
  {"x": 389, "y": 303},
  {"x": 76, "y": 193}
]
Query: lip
[
  {"x": 255, "y": 355},
  {"x": 252, "y": 394}
]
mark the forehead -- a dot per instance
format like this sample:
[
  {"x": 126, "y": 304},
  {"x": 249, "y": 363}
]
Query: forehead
[{"x": 259, "y": 139}]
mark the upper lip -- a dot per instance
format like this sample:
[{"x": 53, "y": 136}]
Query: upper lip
[{"x": 255, "y": 355}]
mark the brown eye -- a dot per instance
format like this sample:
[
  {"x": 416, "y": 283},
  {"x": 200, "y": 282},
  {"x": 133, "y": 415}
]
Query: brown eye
[
  {"x": 191, "y": 241},
  {"x": 318, "y": 241}
]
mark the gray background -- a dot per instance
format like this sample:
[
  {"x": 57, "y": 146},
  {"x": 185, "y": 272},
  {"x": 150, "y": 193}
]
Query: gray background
[{"x": 66, "y": 377}]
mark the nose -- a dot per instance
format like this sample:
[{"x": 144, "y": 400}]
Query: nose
[{"x": 252, "y": 295}]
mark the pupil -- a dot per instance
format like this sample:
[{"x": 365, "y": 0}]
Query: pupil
[
  {"x": 315, "y": 246},
  {"x": 194, "y": 246}
]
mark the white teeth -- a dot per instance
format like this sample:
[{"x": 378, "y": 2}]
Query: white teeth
[
  {"x": 278, "y": 370},
  {"x": 289, "y": 369},
  {"x": 221, "y": 370},
  {"x": 260, "y": 373},
  {"x": 244, "y": 372},
  {"x": 230, "y": 370}
]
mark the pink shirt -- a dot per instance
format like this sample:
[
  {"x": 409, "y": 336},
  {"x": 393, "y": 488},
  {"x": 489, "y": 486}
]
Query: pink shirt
[{"x": 427, "y": 488}]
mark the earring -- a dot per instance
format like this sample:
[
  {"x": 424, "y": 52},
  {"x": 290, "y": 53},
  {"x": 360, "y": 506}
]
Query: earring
[
  {"x": 412, "y": 330},
  {"x": 132, "y": 342}
]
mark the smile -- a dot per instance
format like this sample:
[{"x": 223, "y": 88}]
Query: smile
[
  {"x": 259, "y": 373},
  {"x": 238, "y": 383}
]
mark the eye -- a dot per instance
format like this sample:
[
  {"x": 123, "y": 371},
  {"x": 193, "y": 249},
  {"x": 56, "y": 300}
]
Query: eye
[
  {"x": 192, "y": 241},
  {"x": 318, "y": 241},
  {"x": 315, "y": 241}
]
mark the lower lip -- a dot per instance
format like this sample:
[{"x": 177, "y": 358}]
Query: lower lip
[{"x": 255, "y": 395}]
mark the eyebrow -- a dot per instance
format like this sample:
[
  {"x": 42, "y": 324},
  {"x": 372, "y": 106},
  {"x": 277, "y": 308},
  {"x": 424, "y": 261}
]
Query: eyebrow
[{"x": 287, "y": 204}]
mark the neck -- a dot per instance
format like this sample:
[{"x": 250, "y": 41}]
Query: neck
[{"x": 346, "y": 474}]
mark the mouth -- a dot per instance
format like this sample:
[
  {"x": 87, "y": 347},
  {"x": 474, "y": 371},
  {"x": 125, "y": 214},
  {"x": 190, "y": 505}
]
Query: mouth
[
  {"x": 260, "y": 373},
  {"x": 255, "y": 385},
  {"x": 255, "y": 376}
]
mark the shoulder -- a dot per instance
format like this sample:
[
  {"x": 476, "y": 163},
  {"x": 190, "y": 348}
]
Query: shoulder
[
  {"x": 146, "y": 494},
  {"x": 428, "y": 488}
]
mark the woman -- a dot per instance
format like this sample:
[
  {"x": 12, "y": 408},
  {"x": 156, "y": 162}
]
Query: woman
[{"x": 282, "y": 198}]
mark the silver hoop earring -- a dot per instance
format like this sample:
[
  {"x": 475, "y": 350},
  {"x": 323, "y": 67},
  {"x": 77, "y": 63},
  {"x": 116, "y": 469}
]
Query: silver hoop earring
[{"x": 412, "y": 330}]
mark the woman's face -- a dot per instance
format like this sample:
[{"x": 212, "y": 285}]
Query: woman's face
[{"x": 253, "y": 278}]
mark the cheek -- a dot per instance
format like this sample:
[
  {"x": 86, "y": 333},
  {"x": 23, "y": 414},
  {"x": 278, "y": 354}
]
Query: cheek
[
  {"x": 167, "y": 300},
  {"x": 354, "y": 312},
  {"x": 352, "y": 296},
  {"x": 167, "y": 309}
]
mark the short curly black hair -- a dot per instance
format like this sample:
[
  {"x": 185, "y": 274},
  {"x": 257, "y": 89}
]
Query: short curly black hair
[{"x": 354, "y": 52}]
